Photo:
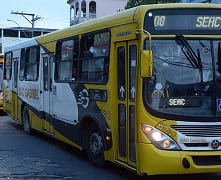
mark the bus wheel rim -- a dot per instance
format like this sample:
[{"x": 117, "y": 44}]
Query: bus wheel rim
[{"x": 96, "y": 144}]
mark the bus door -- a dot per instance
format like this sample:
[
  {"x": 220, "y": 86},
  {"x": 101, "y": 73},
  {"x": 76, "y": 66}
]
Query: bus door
[
  {"x": 7, "y": 88},
  {"x": 47, "y": 92},
  {"x": 126, "y": 65},
  {"x": 15, "y": 89}
]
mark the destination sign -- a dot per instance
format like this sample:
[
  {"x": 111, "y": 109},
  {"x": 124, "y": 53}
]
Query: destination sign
[
  {"x": 197, "y": 21},
  {"x": 187, "y": 22}
]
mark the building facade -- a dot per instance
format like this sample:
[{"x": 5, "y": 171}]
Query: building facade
[
  {"x": 12, "y": 35},
  {"x": 84, "y": 10}
]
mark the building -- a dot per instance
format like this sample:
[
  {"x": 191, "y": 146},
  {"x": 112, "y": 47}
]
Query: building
[
  {"x": 202, "y": 1},
  {"x": 12, "y": 35},
  {"x": 84, "y": 10}
]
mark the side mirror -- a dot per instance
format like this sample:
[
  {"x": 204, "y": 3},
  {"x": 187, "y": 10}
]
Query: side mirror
[{"x": 146, "y": 63}]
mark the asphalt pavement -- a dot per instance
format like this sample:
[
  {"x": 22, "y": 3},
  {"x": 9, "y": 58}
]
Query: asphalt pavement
[{"x": 38, "y": 156}]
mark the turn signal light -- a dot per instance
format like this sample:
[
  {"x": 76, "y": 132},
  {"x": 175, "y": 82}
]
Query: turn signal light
[
  {"x": 108, "y": 138},
  {"x": 147, "y": 129}
]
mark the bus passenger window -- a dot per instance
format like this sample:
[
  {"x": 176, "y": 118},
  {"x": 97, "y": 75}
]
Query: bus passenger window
[
  {"x": 8, "y": 66},
  {"x": 22, "y": 65},
  {"x": 74, "y": 71},
  {"x": 94, "y": 57},
  {"x": 32, "y": 63},
  {"x": 66, "y": 63}
]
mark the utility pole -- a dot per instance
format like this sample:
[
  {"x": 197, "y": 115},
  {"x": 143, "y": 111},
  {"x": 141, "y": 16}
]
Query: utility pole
[{"x": 32, "y": 21}]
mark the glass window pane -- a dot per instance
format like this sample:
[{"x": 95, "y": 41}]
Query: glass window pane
[
  {"x": 95, "y": 57},
  {"x": 67, "y": 60},
  {"x": 122, "y": 129},
  {"x": 133, "y": 59},
  {"x": 32, "y": 63},
  {"x": 22, "y": 65},
  {"x": 121, "y": 72}
]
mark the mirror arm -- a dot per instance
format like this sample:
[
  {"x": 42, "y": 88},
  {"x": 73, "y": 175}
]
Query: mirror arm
[{"x": 147, "y": 34}]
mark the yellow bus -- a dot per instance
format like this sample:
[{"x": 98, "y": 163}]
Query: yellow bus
[{"x": 140, "y": 88}]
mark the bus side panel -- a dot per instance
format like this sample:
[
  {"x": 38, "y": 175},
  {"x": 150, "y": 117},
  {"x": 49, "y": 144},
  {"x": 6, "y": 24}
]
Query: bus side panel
[
  {"x": 7, "y": 96},
  {"x": 35, "y": 121},
  {"x": 14, "y": 106}
]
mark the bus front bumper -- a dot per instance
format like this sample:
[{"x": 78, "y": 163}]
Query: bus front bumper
[{"x": 153, "y": 161}]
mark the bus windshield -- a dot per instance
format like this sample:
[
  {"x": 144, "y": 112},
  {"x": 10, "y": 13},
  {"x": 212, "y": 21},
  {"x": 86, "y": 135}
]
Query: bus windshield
[{"x": 185, "y": 82}]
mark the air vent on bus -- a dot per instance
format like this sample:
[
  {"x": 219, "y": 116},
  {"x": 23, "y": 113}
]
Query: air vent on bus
[
  {"x": 206, "y": 160},
  {"x": 199, "y": 130}
]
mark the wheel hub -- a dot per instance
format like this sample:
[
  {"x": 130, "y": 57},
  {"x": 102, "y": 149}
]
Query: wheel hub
[{"x": 96, "y": 144}]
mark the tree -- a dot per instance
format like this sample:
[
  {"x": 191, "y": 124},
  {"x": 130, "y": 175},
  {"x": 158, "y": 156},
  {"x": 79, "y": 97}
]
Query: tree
[{"x": 134, "y": 3}]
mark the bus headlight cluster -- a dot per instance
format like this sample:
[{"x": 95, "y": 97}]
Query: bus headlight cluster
[{"x": 159, "y": 139}]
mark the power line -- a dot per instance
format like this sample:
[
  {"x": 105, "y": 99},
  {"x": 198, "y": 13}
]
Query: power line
[{"x": 32, "y": 21}]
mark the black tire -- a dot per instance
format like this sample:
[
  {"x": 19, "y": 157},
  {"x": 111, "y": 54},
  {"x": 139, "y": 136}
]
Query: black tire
[
  {"x": 95, "y": 146},
  {"x": 26, "y": 120}
]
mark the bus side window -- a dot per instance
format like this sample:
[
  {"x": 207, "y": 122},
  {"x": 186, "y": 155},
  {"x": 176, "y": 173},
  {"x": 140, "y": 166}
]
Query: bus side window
[
  {"x": 22, "y": 65},
  {"x": 8, "y": 66},
  {"x": 94, "y": 57},
  {"x": 32, "y": 63},
  {"x": 67, "y": 60}
]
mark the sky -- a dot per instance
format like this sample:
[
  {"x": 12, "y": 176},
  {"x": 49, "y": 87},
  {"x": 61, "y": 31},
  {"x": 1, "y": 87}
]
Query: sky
[{"x": 55, "y": 14}]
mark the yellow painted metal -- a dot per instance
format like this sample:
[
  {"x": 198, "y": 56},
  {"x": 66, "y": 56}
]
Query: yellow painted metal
[
  {"x": 146, "y": 63},
  {"x": 154, "y": 161},
  {"x": 36, "y": 122}
]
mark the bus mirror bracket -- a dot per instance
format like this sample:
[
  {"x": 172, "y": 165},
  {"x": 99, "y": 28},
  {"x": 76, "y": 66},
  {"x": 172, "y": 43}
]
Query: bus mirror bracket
[
  {"x": 146, "y": 57},
  {"x": 146, "y": 63}
]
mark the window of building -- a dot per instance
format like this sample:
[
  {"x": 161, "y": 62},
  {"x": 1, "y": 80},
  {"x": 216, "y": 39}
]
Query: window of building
[
  {"x": 10, "y": 33},
  {"x": 72, "y": 12},
  {"x": 29, "y": 63},
  {"x": 45, "y": 32},
  {"x": 37, "y": 33},
  {"x": 83, "y": 8},
  {"x": 67, "y": 60},
  {"x": 77, "y": 10},
  {"x": 8, "y": 66},
  {"x": 94, "y": 58},
  {"x": 25, "y": 34},
  {"x": 92, "y": 9}
]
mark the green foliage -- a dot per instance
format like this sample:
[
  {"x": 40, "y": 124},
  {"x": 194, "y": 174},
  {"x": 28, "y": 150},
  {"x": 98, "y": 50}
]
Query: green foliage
[{"x": 134, "y": 3}]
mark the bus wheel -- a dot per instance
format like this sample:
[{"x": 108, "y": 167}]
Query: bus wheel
[
  {"x": 95, "y": 147},
  {"x": 26, "y": 120}
]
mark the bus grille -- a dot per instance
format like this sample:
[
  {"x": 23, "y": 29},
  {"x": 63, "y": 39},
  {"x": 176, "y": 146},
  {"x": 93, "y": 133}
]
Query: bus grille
[
  {"x": 206, "y": 160},
  {"x": 199, "y": 130}
]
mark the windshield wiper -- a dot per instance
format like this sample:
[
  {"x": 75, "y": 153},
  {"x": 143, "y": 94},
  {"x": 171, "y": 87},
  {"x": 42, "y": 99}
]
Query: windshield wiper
[
  {"x": 195, "y": 60},
  {"x": 187, "y": 50}
]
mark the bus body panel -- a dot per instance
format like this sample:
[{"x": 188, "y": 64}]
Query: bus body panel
[{"x": 66, "y": 109}]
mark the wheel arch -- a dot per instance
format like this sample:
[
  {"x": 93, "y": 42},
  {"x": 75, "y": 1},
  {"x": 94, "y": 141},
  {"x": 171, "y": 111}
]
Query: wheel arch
[{"x": 86, "y": 122}]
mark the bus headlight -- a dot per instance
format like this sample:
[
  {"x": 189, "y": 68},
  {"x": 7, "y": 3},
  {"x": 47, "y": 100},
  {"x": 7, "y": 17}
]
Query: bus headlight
[{"x": 159, "y": 139}]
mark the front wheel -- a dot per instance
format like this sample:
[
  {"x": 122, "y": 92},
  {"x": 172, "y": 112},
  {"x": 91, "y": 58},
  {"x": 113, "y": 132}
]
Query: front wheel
[
  {"x": 95, "y": 147},
  {"x": 26, "y": 120}
]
